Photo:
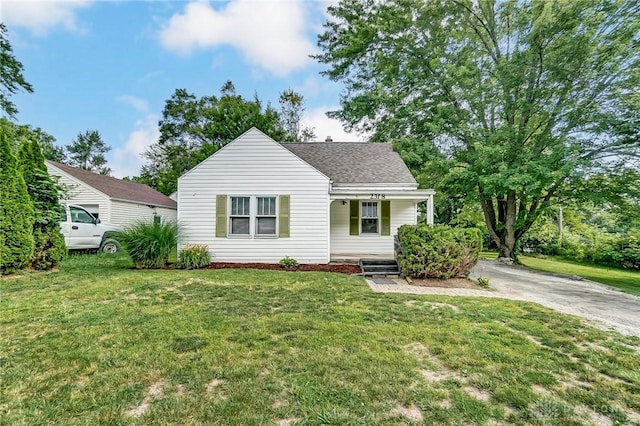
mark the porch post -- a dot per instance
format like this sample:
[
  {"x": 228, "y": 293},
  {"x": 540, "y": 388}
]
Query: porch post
[{"x": 430, "y": 210}]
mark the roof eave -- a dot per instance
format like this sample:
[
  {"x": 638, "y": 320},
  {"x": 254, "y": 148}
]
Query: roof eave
[{"x": 146, "y": 203}]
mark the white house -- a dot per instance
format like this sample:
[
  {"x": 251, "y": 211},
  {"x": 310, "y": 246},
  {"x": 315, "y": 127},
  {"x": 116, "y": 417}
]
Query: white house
[
  {"x": 257, "y": 200},
  {"x": 114, "y": 201}
]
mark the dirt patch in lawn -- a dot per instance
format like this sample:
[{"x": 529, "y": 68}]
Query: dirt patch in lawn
[
  {"x": 341, "y": 268},
  {"x": 451, "y": 283},
  {"x": 156, "y": 391},
  {"x": 412, "y": 413}
]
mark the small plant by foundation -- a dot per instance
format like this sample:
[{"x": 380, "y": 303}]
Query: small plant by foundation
[
  {"x": 194, "y": 256},
  {"x": 289, "y": 263}
]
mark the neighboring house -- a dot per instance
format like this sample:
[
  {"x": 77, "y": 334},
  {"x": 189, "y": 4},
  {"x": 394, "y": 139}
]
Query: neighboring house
[
  {"x": 257, "y": 200},
  {"x": 114, "y": 201}
]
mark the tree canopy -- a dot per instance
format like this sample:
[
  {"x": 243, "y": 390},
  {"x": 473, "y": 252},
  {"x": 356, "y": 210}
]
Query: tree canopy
[
  {"x": 526, "y": 100},
  {"x": 291, "y": 110},
  {"x": 11, "y": 78},
  {"x": 191, "y": 129},
  {"x": 16, "y": 133},
  {"x": 87, "y": 151}
]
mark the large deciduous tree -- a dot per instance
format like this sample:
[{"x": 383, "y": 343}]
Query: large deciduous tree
[
  {"x": 526, "y": 98},
  {"x": 11, "y": 79},
  {"x": 191, "y": 129},
  {"x": 87, "y": 152}
]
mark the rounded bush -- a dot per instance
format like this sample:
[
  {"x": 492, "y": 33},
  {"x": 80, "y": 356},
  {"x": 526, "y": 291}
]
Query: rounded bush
[{"x": 438, "y": 251}]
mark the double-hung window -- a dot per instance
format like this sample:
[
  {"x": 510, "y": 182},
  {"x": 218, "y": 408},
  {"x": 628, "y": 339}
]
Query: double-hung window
[
  {"x": 240, "y": 216},
  {"x": 253, "y": 215},
  {"x": 266, "y": 216},
  {"x": 369, "y": 218}
]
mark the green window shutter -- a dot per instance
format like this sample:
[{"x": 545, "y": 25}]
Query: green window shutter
[
  {"x": 385, "y": 217},
  {"x": 354, "y": 217},
  {"x": 284, "y": 216},
  {"x": 221, "y": 216}
]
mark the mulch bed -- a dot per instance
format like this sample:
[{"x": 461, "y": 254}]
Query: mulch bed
[{"x": 341, "y": 268}]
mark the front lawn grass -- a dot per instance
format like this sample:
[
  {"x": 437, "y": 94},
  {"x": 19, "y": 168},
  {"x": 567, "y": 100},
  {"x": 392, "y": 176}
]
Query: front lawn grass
[
  {"x": 623, "y": 279},
  {"x": 98, "y": 343}
]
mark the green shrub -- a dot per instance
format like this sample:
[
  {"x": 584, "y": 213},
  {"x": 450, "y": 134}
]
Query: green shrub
[
  {"x": 438, "y": 251},
  {"x": 288, "y": 263},
  {"x": 621, "y": 250},
  {"x": 149, "y": 244},
  {"x": 542, "y": 238},
  {"x": 194, "y": 256},
  {"x": 483, "y": 282}
]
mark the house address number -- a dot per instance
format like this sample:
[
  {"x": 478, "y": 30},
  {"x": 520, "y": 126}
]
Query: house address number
[{"x": 377, "y": 197}]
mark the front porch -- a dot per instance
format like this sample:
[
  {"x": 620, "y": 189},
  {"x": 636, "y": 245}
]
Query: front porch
[{"x": 354, "y": 258}]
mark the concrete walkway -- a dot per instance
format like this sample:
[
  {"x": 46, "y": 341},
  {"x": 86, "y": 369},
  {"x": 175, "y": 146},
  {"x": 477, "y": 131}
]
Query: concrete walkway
[{"x": 604, "y": 306}]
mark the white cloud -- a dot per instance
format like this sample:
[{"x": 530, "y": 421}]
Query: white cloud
[
  {"x": 127, "y": 159},
  {"x": 270, "y": 34},
  {"x": 42, "y": 15},
  {"x": 325, "y": 126},
  {"x": 139, "y": 104}
]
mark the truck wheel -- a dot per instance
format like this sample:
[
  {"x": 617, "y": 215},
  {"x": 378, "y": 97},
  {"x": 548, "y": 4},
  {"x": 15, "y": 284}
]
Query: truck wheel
[{"x": 109, "y": 246}]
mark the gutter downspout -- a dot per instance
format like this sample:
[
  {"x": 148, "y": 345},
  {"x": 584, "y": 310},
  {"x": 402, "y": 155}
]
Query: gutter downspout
[{"x": 329, "y": 221}]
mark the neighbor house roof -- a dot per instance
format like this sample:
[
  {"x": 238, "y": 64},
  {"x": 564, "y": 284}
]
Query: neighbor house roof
[
  {"x": 117, "y": 188},
  {"x": 354, "y": 162}
]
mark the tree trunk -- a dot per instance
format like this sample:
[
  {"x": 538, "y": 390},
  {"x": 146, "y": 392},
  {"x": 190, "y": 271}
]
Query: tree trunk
[
  {"x": 502, "y": 226},
  {"x": 508, "y": 253}
]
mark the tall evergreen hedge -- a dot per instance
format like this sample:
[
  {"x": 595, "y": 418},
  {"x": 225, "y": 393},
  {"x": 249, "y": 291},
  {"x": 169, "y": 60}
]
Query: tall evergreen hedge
[
  {"x": 49, "y": 247},
  {"x": 16, "y": 213}
]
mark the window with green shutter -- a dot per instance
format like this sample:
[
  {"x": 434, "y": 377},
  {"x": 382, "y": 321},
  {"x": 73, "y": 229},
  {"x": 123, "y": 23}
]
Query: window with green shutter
[{"x": 253, "y": 216}]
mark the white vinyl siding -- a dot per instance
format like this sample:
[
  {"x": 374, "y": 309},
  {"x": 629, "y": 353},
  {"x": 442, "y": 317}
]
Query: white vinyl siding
[
  {"x": 256, "y": 166},
  {"x": 402, "y": 212},
  {"x": 125, "y": 214}
]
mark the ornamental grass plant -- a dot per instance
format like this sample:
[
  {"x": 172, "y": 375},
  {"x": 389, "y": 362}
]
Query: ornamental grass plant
[{"x": 149, "y": 244}]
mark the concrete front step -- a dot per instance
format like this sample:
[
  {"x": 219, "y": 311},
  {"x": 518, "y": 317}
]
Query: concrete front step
[{"x": 379, "y": 267}]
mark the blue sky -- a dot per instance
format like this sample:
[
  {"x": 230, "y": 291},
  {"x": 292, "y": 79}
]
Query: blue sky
[{"x": 111, "y": 65}]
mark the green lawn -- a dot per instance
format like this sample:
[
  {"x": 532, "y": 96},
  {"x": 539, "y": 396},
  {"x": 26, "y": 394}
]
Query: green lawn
[
  {"x": 98, "y": 343},
  {"x": 625, "y": 280}
]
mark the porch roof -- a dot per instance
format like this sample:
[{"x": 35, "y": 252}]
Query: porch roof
[{"x": 381, "y": 194}]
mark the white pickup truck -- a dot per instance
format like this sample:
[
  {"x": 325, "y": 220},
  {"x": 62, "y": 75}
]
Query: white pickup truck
[{"x": 82, "y": 231}]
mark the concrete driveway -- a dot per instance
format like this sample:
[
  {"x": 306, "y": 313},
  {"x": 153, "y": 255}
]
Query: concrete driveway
[{"x": 605, "y": 305}]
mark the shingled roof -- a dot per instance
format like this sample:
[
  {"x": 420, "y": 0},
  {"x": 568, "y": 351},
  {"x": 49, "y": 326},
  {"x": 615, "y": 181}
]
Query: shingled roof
[
  {"x": 117, "y": 188},
  {"x": 354, "y": 162}
]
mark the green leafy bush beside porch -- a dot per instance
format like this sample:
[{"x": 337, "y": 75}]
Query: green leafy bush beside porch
[{"x": 438, "y": 251}]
